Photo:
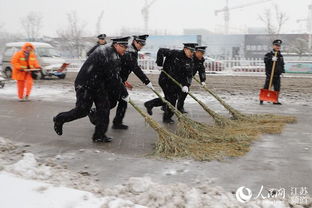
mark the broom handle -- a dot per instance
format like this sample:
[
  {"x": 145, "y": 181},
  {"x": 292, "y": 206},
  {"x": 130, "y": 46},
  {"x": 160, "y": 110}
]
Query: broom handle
[
  {"x": 211, "y": 112},
  {"x": 273, "y": 69},
  {"x": 177, "y": 83},
  {"x": 233, "y": 111},
  {"x": 174, "y": 109},
  {"x": 147, "y": 118}
]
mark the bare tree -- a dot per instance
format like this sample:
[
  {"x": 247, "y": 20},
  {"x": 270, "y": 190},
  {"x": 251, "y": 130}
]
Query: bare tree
[
  {"x": 71, "y": 38},
  {"x": 99, "y": 22},
  {"x": 32, "y": 24},
  {"x": 6, "y": 37},
  {"x": 274, "y": 20},
  {"x": 299, "y": 46}
]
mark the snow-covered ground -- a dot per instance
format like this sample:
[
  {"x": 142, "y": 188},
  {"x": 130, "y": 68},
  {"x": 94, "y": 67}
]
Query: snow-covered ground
[
  {"x": 66, "y": 93},
  {"x": 32, "y": 183}
]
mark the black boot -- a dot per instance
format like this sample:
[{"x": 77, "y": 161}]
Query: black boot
[
  {"x": 261, "y": 102},
  {"x": 120, "y": 126},
  {"x": 277, "y": 103},
  {"x": 168, "y": 120},
  {"x": 101, "y": 139},
  {"x": 148, "y": 108},
  {"x": 58, "y": 126}
]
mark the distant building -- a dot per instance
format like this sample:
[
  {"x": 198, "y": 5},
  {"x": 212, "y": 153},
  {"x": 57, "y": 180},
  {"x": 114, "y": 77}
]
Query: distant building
[
  {"x": 198, "y": 31},
  {"x": 256, "y": 45},
  {"x": 256, "y": 30},
  {"x": 224, "y": 46}
]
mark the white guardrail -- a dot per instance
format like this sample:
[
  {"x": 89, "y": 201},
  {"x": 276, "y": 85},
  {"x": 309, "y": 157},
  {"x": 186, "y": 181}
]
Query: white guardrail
[{"x": 233, "y": 65}]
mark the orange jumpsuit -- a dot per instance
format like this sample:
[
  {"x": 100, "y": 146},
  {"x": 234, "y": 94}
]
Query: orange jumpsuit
[{"x": 20, "y": 63}]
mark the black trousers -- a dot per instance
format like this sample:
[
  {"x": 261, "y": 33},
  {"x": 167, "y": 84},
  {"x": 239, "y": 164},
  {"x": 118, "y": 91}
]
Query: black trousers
[
  {"x": 171, "y": 92},
  {"x": 276, "y": 82},
  {"x": 85, "y": 99},
  {"x": 181, "y": 98},
  {"x": 120, "y": 112}
]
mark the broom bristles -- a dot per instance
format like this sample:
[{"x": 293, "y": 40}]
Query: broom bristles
[
  {"x": 219, "y": 119},
  {"x": 170, "y": 145},
  {"x": 267, "y": 123}
]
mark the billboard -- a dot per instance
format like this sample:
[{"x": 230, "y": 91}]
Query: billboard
[{"x": 298, "y": 67}]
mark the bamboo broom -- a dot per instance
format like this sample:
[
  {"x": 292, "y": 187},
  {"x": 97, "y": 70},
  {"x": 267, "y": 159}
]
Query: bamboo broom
[
  {"x": 269, "y": 123},
  {"x": 189, "y": 128},
  {"x": 219, "y": 119},
  {"x": 170, "y": 145}
]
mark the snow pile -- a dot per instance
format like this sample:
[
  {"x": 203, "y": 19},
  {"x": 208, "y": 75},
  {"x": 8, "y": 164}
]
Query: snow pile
[
  {"x": 17, "y": 192},
  {"x": 145, "y": 192},
  {"x": 49, "y": 185},
  {"x": 6, "y": 145},
  {"x": 28, "y": 167}
]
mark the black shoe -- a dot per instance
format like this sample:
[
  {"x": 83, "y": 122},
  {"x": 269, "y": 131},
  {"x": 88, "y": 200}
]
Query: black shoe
[
  {"x": 183, "y": 111},
  {"x": 101, "y": 139},
  {"x": 277, "y": 103},
  {"x": 148, "y": 108},
  {"x": 120, "y": 126},
  {"x": 168, "y": 120},
  {"x": 58, "y": 127},
  {"x": 261, "y": 102}
]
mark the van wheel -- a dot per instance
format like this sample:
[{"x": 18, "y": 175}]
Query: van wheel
[
  {"x": 8, "y": 72},
  {"x": 41, "y": 75},
  {"x": 62, "y": 76}
]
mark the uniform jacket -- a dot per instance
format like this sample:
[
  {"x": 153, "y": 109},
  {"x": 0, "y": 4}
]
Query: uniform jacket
[
  {"x": 101, "y": 70},
  {"x": 200, "y": 68},
  {"x": 130, "y": 64},
  {"x": 279, "y": 67},
  {"x": 20, "y": 62},
  {"x": 92, "y": 49},
  {"x": 176, "y": 64}
]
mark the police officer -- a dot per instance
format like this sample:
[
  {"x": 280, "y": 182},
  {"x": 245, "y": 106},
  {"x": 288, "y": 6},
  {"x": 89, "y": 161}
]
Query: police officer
[
  {"x": 97, "y": 81},
  {"x": 130, "y": 64},
  {"x": 101, "y": 41},
  {"x": 269, "y": 58},
  {"x": 198, "y": 66},
  {"x": 178, "y": 64}
]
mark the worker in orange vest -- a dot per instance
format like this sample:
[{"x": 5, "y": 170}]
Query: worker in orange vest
[{"x": 23, "y": 62}]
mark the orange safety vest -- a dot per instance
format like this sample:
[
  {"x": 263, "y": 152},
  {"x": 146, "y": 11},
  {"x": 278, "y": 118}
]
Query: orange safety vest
[{"x": 19, "y": 62}]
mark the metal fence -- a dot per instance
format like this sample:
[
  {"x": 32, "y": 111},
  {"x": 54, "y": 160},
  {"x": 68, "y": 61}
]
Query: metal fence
[{"x": 212, "y": 65}]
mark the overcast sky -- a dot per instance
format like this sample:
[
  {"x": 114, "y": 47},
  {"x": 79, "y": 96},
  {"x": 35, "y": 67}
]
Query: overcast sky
[{"x": 170, "y": 15}]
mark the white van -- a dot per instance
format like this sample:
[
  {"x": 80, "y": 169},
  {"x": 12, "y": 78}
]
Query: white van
[{"x": 50, "y": 60}]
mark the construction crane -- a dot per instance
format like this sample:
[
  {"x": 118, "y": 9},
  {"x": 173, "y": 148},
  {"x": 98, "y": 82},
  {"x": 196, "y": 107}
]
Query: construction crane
[
  {"x": 308, "y": 21},
  {"x": 145, "y": 13},
  {"x": 226, "y": 12}
]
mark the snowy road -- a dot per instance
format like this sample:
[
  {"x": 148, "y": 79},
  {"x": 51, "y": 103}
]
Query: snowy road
[{"x": 275, "y": 161}]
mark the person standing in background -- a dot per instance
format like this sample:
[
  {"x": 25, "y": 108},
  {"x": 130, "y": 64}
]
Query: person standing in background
[
  {"x": 23, "y": 62},
  {"x": 269, "y": 58},
  {"x": 101, "y": 41}
]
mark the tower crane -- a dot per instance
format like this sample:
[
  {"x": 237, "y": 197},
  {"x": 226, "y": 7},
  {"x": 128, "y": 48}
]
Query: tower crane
[
  {"x": 226, "y": 11},
  {"x": 145, "y": 13},
  {"x": 308, "y": 21}
]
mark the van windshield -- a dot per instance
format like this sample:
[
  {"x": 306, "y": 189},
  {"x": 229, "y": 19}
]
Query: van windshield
[{"x": 47, "y": 52}]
